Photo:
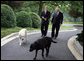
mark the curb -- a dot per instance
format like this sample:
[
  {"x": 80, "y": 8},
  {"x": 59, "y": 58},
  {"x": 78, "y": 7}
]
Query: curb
[
  {"x": 12, "y": 34},
  {"x": 80, "y": 48},
  {"x": 33, "y": 32},
  {"x": 78, "y": 25},
  {"x": 10, "y": 37},
  {"x": 75, "y": 49}
]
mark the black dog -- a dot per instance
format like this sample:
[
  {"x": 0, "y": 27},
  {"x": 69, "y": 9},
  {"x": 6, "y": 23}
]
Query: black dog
[{"x": 42, "y": 43}]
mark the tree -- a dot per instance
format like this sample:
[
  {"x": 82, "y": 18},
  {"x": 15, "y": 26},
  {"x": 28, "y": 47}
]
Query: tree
[
  {"x": 69, "y": 7},
  {"x": 76, "y": 9},
  {"x": 13, "y": 4},
  {"x": 40, "y": 7},
  {"x": 8, "y": 18}
]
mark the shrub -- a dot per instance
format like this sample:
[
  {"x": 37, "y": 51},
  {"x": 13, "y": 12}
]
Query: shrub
[
  {"x": 8, "y": 18},
  {"x": 80, "y": 37},
  {"x": 27, "y": 9},
  {"x": 23, "y": 19},
  {"x": 36, "y": 21}
]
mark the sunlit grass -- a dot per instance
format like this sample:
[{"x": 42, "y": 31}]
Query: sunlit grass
[
  {"x": 73, "y": 22},
  {"x": 62, "y": 27},
  {"x": 7, "y": 31}
]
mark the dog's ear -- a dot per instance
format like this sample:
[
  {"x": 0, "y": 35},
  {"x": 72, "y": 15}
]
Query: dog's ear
[{"x": 35, "y": 44}]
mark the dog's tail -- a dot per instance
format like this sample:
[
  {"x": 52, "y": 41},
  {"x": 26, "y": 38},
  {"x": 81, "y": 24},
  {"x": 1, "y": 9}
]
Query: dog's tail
[{"x": 54, "y": 41}]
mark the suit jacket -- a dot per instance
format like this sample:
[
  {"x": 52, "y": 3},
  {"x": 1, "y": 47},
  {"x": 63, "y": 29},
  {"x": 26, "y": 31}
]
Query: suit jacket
[
  {"x": 57, "y": 19},
  {"x": 47, "y": 15}
]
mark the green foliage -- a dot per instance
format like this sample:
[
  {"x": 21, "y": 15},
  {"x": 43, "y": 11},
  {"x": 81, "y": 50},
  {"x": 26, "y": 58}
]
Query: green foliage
[
  {"x": 27, "y": 9},
  {"x": 7, "y": 31},
  {"x": 13, "y": 4},
  {"x": 33, "y": 5},
  {"x": 65, "y": 19},
  {"x": 73, "y": 8},
  {"x": 8, "y": 18},
  {"x": 69, "y": 19},
  {"x": 76, "y": 9},
  {"x": 23, "y": 19},
  {"x": 36, "y": 21},
  {"x": 77, "y": 5},
  {"x": 80, "y": 37}
]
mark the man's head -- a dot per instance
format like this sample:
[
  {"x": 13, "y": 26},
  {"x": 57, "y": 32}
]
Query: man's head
[
  {"x": 46, "y": 8},
  {"x": 56, "y": 9}
]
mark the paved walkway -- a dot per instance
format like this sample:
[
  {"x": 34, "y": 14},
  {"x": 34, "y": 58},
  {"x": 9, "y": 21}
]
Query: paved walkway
[{"x": 13, "y": 51}]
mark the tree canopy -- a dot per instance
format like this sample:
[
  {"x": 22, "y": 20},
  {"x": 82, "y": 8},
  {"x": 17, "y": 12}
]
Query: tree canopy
[{"x": 73, "y": 8}]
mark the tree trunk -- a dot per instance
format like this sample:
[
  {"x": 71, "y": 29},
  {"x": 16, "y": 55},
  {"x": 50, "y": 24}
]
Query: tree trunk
[{"x": 40, "y": 7}]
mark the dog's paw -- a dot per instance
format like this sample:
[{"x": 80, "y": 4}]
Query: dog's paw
[
  {"x": 46, "y": 55},
  {"x": 43, "y": 57},
  {"x": 34, "y": 58},
  {"x": 20, "y": 44}
]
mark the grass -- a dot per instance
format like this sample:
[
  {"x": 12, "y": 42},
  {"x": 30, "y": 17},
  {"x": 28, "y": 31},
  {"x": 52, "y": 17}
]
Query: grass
[
  {"x": 73, "y": 22},
  {"x": 62, "y": 27},
  {"x": 7, "y": 31}
]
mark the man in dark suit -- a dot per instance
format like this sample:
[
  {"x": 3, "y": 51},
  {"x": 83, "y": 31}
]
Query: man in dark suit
[
  {"x": 56, "y": 22},
  {"x": 45, "y": 16}
]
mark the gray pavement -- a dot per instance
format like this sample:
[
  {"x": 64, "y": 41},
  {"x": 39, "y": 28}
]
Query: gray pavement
[
  {"x": 59, "y": 51},
  {"x": 71, "y": 25}
]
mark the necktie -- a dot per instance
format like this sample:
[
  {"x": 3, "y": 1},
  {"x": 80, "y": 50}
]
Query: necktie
[{"x": 45, "y": 12}]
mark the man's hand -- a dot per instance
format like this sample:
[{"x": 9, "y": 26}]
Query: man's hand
[
  {"x": 44, "y": 18},
  {"x": 60, "y": 24}
]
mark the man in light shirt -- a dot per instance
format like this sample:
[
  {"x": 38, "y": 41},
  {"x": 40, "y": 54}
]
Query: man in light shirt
[{"x": 56, "y": 22}]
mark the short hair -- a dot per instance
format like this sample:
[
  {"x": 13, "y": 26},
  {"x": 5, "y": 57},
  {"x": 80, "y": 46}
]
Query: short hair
[
  {"x": 57, "y": 8},
  {"x": 46, "y": 6}
]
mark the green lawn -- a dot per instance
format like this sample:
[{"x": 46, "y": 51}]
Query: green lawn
[
  {"x": 73, "y": 22},
  {"x": 7, "y": 31},
  {"x": 62, "y": 27}
]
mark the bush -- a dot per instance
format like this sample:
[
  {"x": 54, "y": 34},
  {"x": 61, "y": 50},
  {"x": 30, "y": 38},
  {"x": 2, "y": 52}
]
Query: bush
[
  {"x": 28, "y": 4},
  {"x": 80, "y": 37},
  {"x": 8, "y": 18},
  {"x": 23, "y": 19},
  {"x": 27, "y": 9},
  {"x": 65, "y": 19},
  {"x": 36, "y": 21}
]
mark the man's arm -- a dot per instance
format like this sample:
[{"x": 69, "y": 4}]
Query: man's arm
[
  {"x": 61, "y": 20},
  {"x": 52, "y": 19},
  {"x": 41, "y": 15},
  {"x": 48, "y": 16}
]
